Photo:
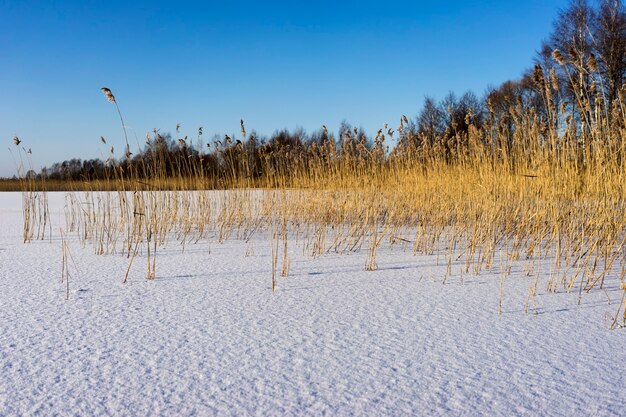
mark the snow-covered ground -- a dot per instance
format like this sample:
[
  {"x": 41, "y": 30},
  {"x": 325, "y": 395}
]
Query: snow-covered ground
[{"x": 209, "y": 337}]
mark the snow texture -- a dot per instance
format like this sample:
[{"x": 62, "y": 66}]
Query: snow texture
[{"x": 209, "y": 337}]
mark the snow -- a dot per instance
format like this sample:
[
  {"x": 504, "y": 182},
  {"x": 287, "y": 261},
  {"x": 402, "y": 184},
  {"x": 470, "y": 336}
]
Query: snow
[{"x": 209, "y": 337}]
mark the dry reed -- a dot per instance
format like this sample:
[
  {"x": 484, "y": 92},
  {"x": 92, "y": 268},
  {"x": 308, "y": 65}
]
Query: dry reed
[{"x": 540, "y": 196}]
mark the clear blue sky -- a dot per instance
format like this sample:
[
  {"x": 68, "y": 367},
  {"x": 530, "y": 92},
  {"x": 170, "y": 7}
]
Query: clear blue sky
[{"x": 274, "y": 64}]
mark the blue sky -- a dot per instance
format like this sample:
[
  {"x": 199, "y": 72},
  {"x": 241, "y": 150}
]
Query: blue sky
[{"x": 274, "y": 64}]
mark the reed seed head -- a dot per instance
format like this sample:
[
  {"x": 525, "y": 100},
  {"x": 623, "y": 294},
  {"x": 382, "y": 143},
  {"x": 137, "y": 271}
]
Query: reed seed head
[
  {"x": 554, "y": 80},
  {"x": 591, "y": 62},
  {"x": 558, "y": 57},
  {"x": 108, "y": 94},
  {"x": 538, "y": 77}
]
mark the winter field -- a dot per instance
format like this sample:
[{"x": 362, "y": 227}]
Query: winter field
[{"x": 208, "y": 336}]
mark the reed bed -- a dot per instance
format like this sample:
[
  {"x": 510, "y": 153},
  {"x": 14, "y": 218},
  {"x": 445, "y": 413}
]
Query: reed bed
[
  {"x": 488, "y": 217},
  {"x": 549, "y": 191}
]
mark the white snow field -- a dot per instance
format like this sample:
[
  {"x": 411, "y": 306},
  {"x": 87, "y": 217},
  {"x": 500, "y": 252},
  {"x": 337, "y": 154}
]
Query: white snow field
[{"x": 209, "y": 337}]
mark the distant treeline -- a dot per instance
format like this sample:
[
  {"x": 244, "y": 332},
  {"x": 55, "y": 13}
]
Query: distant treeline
[{"x": 573, "y": 96}]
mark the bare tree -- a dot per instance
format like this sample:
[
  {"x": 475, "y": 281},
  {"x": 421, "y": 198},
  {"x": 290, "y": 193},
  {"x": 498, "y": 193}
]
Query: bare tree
[
  {"x": 431, "y": 121},
  {"x": 572, "y": 34},
  {"x": 609, "y": 35}
]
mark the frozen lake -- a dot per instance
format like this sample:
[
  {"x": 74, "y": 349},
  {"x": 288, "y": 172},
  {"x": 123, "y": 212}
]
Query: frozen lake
[{"x": 208, "y": 336}]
